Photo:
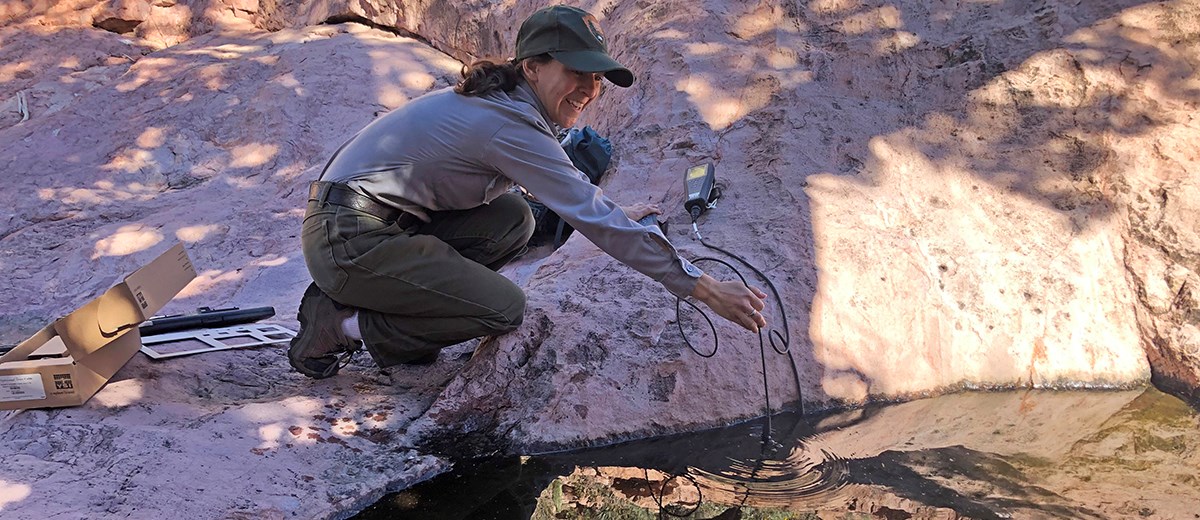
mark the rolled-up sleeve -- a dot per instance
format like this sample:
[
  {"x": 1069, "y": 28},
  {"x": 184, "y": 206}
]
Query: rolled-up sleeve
[{"x": 533, "y": 159}]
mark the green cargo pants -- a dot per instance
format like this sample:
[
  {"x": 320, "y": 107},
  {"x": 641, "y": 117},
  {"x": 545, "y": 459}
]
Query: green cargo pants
[{"x": 425, "y": 287}]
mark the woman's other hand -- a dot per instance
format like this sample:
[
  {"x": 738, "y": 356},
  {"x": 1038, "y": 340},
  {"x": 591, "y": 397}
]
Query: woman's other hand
[
  {"x": 637, "y": 211},
  {"x": 734, "y": 301}
]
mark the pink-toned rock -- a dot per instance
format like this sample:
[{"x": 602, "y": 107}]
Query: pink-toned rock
[
  {"x": 121, "y": 16},
  {"x": 157, "y": 23},
  {"x": 465, "y": 30},
  {"x": 222, "y": 435},
  {"x": 211, "y": 143},
  {"x": 47, "y": 12},
  {"x": 940, "y": 194},
  {"x": 946, "y": 196}
]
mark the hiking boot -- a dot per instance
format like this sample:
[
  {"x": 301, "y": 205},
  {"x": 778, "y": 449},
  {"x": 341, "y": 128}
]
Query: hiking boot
[{"x": 320, "y": 349}]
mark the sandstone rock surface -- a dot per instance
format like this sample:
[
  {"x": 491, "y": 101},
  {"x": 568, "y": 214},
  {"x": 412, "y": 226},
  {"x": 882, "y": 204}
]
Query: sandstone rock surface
[
  {"x": 210, "y": 142},
  {"x": 947, "y": 195}
]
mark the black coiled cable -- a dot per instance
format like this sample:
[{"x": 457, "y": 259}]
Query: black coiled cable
[{"x": 780, "y": 342}]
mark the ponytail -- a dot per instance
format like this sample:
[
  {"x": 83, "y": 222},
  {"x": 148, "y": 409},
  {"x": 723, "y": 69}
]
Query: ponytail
[{"x": 486, "y": 76}]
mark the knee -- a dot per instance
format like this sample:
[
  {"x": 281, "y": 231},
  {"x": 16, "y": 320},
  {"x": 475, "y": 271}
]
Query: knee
[
  {"x": 518, "y": 212},
  {"x": 511, "y": 316}
]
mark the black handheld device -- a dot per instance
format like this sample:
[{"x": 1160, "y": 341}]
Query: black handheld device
[
  {"x": 204, "y": 317},
  {"x": 652, "y": 220},
  {"x": 700, "y": 181}
]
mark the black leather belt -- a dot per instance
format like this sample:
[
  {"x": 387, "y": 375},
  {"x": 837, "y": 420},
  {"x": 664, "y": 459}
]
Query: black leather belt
[{"x": 341, "y": 195}]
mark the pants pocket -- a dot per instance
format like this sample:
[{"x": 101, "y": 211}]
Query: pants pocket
[{"x": 317, "y": 240}]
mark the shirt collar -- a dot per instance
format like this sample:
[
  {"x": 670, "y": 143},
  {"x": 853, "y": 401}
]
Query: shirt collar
[{"x": 524, "y": 93}]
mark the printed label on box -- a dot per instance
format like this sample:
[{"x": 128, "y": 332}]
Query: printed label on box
[
  {"x": 22, "y": 387},
  {"x": 63, "y": 382}
]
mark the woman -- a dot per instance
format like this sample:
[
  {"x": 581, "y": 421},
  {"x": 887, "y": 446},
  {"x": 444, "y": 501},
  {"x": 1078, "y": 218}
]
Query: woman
[{"x": 412, "y": 216}]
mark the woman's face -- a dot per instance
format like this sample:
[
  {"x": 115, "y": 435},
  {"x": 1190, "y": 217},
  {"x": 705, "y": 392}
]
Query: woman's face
[{"x": 564, "y": 92}]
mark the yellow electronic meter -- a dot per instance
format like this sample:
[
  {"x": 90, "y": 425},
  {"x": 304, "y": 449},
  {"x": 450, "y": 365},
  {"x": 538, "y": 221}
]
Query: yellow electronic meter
[{"x": 699, "y": 181}]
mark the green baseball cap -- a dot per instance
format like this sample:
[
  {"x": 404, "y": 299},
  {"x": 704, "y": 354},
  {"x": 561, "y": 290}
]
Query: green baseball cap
[{"x": 573, "y": 37}]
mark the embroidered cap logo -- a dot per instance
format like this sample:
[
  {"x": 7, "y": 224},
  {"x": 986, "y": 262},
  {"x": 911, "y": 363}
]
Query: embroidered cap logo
[{"x": 594, "y": 27}]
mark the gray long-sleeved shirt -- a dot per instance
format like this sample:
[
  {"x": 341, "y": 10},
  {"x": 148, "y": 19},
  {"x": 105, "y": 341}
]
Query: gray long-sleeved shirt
[{"x": 445, "y": 151}]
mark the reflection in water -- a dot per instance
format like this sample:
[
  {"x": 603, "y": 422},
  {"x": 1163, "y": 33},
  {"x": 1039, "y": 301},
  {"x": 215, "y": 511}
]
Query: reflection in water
[
  {"x": 740, "y": 466},
  {"x": 1076, "y": 455},
  {"x": 672, "y": 476},
  {"x": 736, "y": 466}
]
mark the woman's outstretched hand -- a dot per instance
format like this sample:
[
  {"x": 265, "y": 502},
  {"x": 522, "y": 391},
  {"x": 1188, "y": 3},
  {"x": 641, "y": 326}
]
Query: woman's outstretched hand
[{"x": 734, "y": 301}]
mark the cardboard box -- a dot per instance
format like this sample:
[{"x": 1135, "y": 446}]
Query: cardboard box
[{"x": 67, "y": 362}]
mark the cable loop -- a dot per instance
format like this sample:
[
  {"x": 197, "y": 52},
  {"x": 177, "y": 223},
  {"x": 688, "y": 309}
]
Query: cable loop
[{"x": 780, "y": 342}]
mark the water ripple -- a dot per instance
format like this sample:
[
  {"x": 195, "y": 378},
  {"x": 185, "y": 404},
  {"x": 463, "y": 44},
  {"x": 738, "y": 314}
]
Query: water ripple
[{"x": 807, "y": 473}]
